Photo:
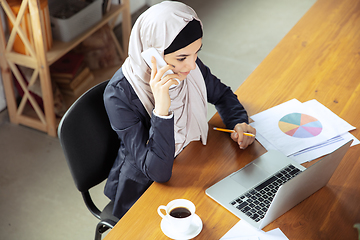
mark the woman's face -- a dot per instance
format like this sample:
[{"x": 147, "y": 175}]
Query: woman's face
[{"x": 183, "y": 60}]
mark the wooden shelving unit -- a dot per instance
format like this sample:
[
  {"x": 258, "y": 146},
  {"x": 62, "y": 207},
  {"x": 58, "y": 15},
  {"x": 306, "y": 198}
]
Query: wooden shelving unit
[{"x": 40, "y": 59}]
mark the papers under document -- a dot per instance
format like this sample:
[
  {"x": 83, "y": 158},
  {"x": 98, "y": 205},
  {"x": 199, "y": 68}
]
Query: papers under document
[{"x": 244, "y": 231}]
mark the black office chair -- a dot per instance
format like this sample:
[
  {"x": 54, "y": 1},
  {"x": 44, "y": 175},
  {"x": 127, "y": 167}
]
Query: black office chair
[{"x": 90, "y": 147}]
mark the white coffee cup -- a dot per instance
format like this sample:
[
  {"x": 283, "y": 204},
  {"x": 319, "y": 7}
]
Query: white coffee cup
[{"x": 179, "y": 214}]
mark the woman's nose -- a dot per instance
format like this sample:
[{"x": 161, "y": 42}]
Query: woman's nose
[{"x": 191, "y": 63}]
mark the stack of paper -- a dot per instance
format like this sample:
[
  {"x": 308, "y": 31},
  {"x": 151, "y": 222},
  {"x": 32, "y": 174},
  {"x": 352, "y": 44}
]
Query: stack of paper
[
  {"x": 301, "y": 131},
  {"x": 244, "y": 231}
]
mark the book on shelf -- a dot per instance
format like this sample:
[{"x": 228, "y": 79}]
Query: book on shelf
[
  {"x": 67, "y": 79},
  {"x": 67, "y": 83},
  {"x": 81, "y": 88},
  {"x": 67, "y": 66}
]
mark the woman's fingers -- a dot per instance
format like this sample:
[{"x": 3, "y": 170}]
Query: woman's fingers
[
  {"x": 243, "y": 140},
  {"x": 157, "y": 75},
  {"x": 170, "y": 78},
  {"x": 160, "y": 87},
  {"x": 153, "y": 68}
]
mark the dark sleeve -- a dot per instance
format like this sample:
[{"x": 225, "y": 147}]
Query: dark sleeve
[
  {"x": 149, "y": 143},
  {"x": 226, "y": 102}
]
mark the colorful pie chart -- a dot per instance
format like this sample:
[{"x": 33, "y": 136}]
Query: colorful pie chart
[{"x": 300, "y": 125}]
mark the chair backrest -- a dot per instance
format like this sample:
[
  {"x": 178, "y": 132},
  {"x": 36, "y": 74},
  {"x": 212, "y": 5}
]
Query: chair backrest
[{"x": 89, "y": 143}]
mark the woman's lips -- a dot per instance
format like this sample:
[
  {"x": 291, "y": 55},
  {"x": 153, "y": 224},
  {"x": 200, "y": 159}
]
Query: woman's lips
[{"x": 184, "y": 73}]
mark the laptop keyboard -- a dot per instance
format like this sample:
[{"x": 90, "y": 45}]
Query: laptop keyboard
[{"x": 256, "y": 201}]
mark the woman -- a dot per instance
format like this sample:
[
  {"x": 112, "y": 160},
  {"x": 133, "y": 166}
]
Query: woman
[{"x": 155, "y": 117}]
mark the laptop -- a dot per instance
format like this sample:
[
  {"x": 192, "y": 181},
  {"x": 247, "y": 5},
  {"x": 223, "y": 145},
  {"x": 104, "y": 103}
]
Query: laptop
[{"x": 272, "y": 184}]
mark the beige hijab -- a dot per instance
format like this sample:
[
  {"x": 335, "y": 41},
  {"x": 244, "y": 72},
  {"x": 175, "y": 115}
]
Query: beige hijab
[{"x": 157, "y": 27}]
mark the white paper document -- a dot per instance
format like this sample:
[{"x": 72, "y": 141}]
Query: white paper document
[
  {"x": 302, "y": 131},
  {"x": 315, "y": 151},
  {"x": 244, "y": 231}
]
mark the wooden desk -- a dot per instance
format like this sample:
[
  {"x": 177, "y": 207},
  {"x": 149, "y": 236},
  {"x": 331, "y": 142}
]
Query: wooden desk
[{"x": 318, "y": 59}]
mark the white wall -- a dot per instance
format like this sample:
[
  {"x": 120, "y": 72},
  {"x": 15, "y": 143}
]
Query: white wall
[
  {"x": 152, "y": 2},
  {"x": 135, "y": 5}
]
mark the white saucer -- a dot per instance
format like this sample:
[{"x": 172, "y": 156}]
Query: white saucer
[{"x": 194, "y": 230}]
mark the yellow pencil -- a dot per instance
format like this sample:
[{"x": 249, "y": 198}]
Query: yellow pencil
[{"x": 231, "y": 131}]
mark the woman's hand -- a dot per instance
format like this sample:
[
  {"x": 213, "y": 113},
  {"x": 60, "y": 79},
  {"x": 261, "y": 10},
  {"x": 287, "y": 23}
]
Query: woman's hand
[
  {"x": 160, "y": 87},
  {"x": 240, "y": 138}
]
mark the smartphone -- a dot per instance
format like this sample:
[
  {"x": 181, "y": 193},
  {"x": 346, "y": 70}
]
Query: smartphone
[{"x": 160, "y": 62}]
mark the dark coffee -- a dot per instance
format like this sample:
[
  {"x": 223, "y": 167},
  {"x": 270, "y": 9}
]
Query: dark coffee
[{"x": 180, "y": 212}]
